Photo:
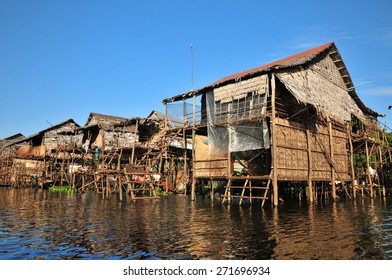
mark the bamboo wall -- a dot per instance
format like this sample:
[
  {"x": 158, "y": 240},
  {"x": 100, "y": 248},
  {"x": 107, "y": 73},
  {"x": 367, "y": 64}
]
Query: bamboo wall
[{"x": 293, "y": 153}]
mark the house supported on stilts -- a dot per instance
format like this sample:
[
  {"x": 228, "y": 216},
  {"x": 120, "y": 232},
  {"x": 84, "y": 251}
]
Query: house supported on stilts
[
  {"x": 287, "y": 127},
  {"x": 38, "y": 159}
]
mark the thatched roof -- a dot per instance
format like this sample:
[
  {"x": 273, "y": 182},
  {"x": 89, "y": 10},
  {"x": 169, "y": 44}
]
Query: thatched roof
[{"x": 301, "y": 59}]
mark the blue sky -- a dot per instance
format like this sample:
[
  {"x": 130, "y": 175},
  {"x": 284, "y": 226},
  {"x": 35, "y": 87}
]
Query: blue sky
[{"x": 65, "y": 59}]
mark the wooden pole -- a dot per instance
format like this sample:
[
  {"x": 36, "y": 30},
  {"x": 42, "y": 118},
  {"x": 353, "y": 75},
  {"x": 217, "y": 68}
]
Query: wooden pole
[
  {"x": 102, "y": 186},
  {"x": 193, "y": 150},
  {"x": 185, "y": 159},
  {"x": 368, "y": 169},
  {"x": 274, "y": 143},
  {"x": 62, "y": 173},
  {"x": 382, "y": 183},
  {"x": 107, "y": 185},
  {"x": 331, "y": 146},
  {"x": 119, "y": 159},
  {"x": 353, "y": 183},
  {"x": 134, "y": 143},
  {"x": 229, "y": 169},
  {"x": 211, "y": 190},
  {"x": 310, "y": 170},
  {"x": 120, "y": 186},
  {"x": 82, "y": 182}
]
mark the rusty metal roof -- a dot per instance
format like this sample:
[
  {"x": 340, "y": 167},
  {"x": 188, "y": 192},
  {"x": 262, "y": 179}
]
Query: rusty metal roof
[{"x": 298, "y": 59}]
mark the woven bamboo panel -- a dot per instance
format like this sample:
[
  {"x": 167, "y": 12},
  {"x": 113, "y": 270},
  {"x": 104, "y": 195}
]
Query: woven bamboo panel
[
  {"x": 327, "y": 68},
  {"x": 293, "y": 155},
  {"x": 240, "y": 89}
]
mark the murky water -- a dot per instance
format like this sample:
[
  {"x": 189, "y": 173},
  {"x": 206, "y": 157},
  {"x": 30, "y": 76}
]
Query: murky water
[{"x": 37, "y": 224}]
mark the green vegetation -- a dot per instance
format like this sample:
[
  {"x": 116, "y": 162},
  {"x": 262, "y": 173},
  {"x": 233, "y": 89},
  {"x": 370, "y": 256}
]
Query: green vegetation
[
  {"x": 62, "y": 189},
  {"x": 163, "y": 193}
]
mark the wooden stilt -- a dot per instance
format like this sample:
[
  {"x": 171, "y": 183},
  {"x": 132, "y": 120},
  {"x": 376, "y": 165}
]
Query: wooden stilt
[
  {"x": 382, "y": 183},
  {"x": 370, "y": 181},
  {"x": 120, "y": 186},
  {"x": 353, "y": 181},
  {"x": 107, "y": 185},
  {"x": 331, "y": 146},
  {"x": 102, "y": 186},
  {"x": 211, "y": 190},
  {"x": 310, "y": 168},
  {"x": 274, "y": 144}
]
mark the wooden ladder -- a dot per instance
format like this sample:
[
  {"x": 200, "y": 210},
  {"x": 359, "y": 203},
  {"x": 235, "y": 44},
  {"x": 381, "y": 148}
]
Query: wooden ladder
[{"x": 247, "y": 185}]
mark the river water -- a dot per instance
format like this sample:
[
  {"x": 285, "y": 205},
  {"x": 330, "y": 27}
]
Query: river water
[{"x": 38, "y": 224}]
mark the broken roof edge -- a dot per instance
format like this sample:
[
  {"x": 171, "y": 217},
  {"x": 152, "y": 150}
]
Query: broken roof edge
[{"x": 52, "y": 127}]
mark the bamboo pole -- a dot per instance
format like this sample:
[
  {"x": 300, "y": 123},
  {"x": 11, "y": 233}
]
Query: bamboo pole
[{"x": 274, "y": 143}]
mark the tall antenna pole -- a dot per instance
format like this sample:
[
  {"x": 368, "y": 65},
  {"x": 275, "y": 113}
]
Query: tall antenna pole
[{"x": 191, "y": 47}]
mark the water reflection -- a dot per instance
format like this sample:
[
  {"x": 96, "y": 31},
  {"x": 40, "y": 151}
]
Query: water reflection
[{"x": 37, "y": 224}]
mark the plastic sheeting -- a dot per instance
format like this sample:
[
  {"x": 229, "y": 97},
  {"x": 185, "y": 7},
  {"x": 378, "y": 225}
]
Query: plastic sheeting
[
  {"x": 180, "y": 113},
  {"x": 243, "y": 136},
  {"x": 249, "y": 138}
]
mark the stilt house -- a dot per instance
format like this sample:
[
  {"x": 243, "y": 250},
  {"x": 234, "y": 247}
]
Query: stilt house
[
  {"x": 289, "y": 121},
  {"x": 30, "y": 155}
]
